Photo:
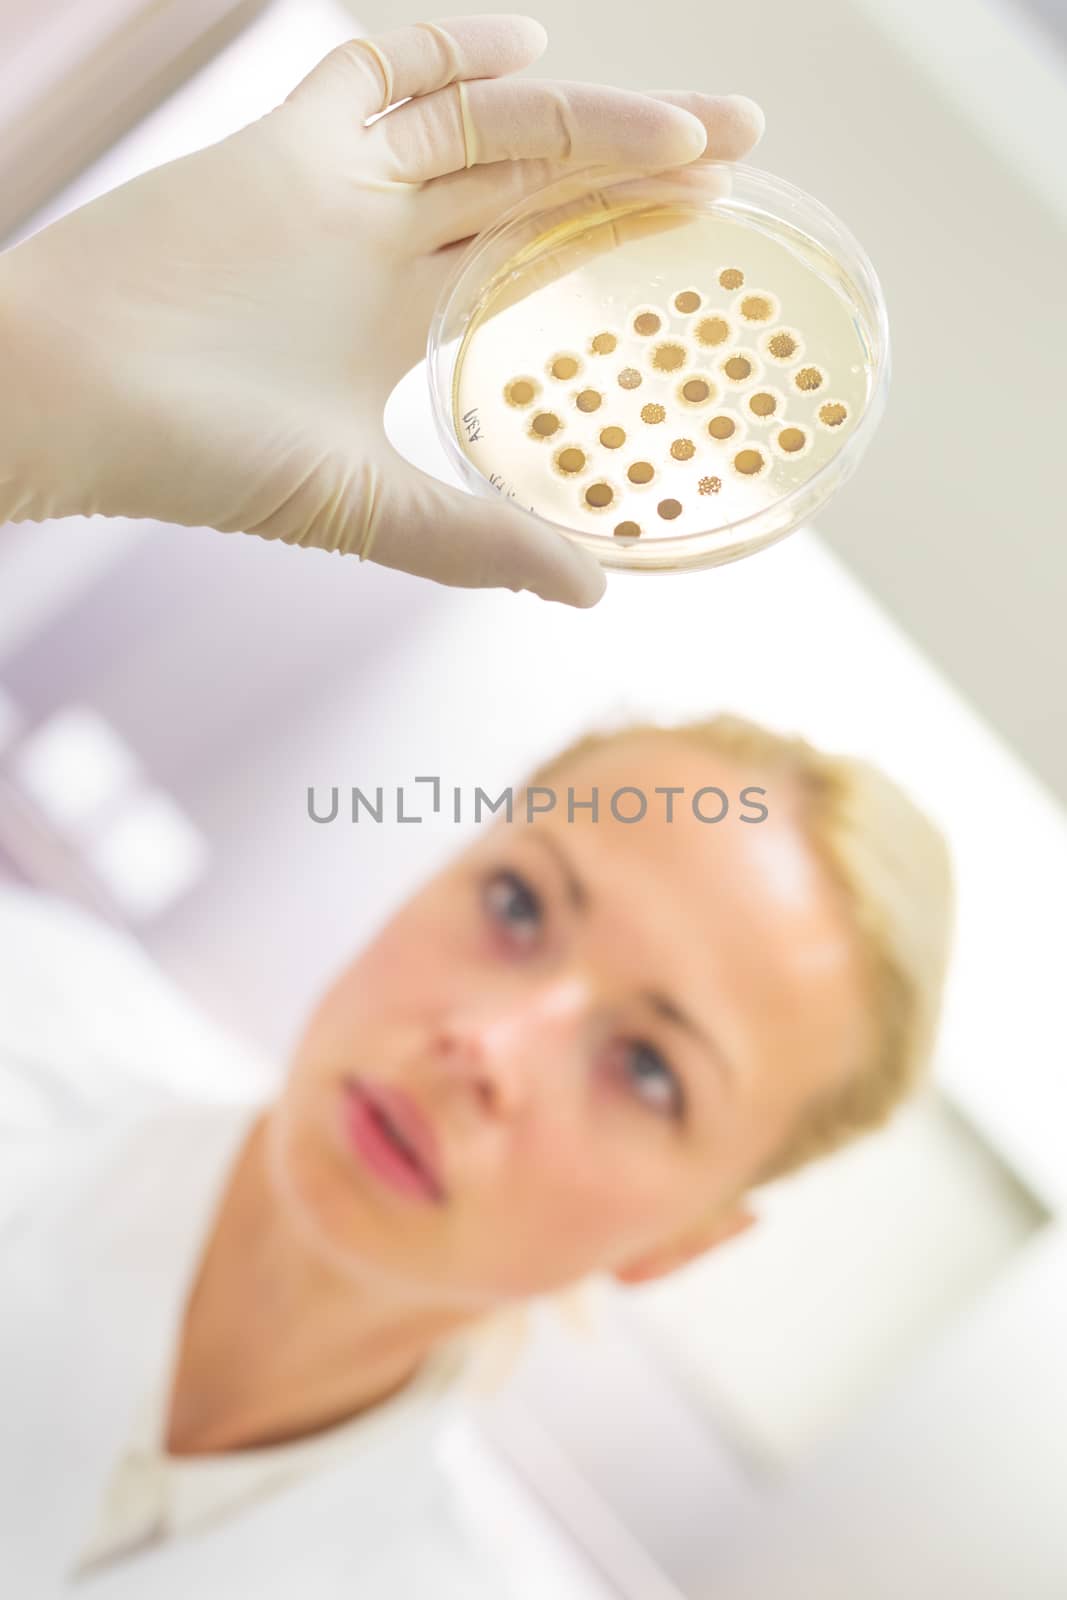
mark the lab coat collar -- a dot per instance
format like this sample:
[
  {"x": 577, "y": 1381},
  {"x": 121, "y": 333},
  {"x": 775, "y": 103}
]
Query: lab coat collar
[{"x": 95, "y": 1273}]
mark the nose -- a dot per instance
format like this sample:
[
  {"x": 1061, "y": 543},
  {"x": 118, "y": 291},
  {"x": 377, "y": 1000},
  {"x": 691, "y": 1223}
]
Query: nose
[{"x": 497, "y": 1052}]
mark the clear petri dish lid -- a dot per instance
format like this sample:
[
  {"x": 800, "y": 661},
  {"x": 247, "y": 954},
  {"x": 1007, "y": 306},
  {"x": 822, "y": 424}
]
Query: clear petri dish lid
[{"x": 676, "y": 369}]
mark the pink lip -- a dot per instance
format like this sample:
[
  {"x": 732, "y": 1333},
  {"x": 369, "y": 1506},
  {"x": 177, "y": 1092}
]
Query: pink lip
[{"x": 392, "y": 1136}]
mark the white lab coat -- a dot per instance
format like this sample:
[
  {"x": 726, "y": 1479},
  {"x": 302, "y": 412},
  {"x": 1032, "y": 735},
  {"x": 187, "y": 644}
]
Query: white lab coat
[{"x": 104, "y": 1199}]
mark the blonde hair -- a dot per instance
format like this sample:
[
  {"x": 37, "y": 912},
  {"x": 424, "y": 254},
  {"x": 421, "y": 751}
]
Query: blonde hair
[{"x": 894, "y": 869}]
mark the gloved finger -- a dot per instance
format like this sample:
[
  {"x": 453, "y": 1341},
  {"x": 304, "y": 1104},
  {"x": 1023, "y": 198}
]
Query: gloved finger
[
  {"x": 734, "y": 123},
  {"x": 376, "y": 71},
  {"x": 433, "y": 270},
  {"x": 628, "y": 209},
  {"x": 520, "y": 119},
  {"x": 460, "y": 204},
  {"x": 417, "y": 524},
  {"x": 606, "y": 211}
]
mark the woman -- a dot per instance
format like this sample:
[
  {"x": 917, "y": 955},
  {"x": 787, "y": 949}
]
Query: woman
[{"x": 575, "y": 1051}]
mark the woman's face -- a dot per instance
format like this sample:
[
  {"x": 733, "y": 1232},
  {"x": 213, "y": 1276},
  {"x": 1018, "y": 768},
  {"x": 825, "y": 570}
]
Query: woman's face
[{"x": 575, "y": 1047}]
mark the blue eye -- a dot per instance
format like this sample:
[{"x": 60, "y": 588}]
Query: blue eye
[
  {"x": 513, "y": 904},
  {"x": 652, "y": 1080}
]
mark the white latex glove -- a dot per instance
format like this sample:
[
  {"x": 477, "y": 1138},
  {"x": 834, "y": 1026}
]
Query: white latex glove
[{"x": 213, "y": 343}]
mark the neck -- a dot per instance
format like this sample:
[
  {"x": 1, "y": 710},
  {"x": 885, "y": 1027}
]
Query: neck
[{"x": 277, "y": 1342}]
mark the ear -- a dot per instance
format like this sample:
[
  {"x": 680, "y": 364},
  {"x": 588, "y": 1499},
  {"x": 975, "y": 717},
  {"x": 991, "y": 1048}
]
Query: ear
[{"x": 657, "y": 1263}]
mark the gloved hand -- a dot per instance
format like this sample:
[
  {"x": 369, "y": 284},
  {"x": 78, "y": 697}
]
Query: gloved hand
[{"x": 213, "y": 343}]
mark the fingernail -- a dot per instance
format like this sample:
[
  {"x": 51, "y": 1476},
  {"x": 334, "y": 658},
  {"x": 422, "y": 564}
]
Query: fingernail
[{"x": 694, "y": 131}]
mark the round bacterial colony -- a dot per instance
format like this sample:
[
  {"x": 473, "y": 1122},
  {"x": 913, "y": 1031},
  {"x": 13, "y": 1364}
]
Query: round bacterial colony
[{"x": 660, "y": 373}]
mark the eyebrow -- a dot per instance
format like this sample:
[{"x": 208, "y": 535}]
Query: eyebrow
[
  {"x": 577, "y": 893},
  {"x": 661, "y": 1003}
]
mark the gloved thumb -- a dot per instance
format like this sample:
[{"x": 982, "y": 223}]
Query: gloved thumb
[{"x": 417, "y": 524}]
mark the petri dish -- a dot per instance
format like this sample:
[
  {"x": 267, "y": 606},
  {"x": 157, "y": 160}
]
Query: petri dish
[{"x": 675, "y": 369}]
